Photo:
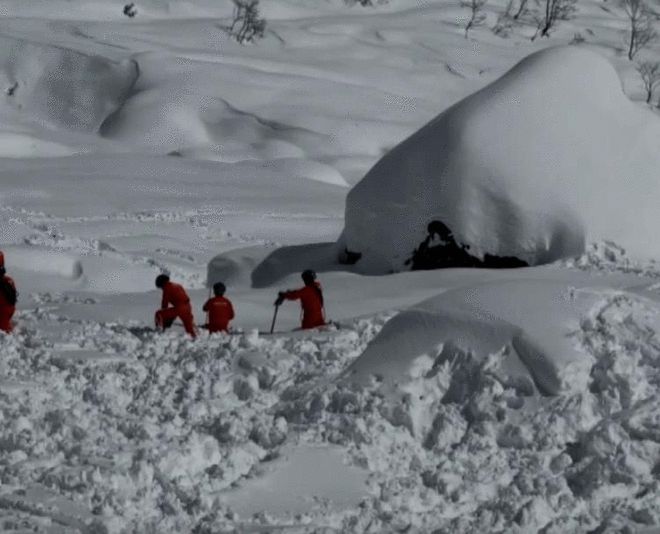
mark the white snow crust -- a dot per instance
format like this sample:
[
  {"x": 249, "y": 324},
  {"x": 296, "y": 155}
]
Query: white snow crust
[{"x": 548, "y": 157}]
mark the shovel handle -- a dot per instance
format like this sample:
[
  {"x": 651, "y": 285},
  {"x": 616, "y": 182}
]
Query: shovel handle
[{"x": 272, "y": 325}]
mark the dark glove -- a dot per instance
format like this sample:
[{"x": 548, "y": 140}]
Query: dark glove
[{"x": 280, "y": 298}]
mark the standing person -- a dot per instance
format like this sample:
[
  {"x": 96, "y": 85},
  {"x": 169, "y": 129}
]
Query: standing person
[
  {"x": 311, "y": 300},
  {"x": 220, "y": 310},
  {"x": 176, "y": 296},
  {"x": 8, "y": 297}
]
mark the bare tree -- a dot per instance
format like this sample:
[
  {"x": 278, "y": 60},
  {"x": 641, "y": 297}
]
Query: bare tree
[
  {"x": 477, "y": 17},
  {"x": 508, "y": 9},
  {"x": 522, "y": 9},
  {"x": 641, "y": 32},
  {"x": 649, "y": 72},
  {"x": 247, "y": 24},
  {"x": 503, "y": 26},
  {"x": 553, "y": 11}
]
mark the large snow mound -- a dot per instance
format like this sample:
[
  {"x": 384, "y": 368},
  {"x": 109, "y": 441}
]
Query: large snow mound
[
  {"x": 62, "y": 87},
  {"x": 547, "y": 157}
]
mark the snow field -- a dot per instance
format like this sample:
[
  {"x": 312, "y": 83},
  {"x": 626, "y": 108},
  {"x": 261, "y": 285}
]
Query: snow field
[{"x": 111, "y": 428}]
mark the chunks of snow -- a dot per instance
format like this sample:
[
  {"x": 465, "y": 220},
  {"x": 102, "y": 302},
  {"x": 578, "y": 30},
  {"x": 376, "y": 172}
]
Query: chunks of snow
[{"x": 547, "y": 157}]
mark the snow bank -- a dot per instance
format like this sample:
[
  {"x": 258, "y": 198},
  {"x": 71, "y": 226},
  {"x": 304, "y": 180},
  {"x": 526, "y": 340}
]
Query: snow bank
[
  {"x": 180, "y": 120},
  {"x": 60, "y": 86},
  {"x": 548, "y": 156},
  {"x": 523, "y": 326}
]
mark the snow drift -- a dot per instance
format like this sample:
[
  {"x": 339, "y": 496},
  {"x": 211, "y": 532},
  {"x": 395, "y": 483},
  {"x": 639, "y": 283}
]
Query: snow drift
[
  {"x": 60, "y": 86},
  {"x": 524, "y": 326},
  {"x": 530, "y": 167}
]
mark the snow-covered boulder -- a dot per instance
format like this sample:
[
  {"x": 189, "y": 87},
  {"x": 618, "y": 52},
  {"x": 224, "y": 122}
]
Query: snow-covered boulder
[{"x": 549, "y": 156}]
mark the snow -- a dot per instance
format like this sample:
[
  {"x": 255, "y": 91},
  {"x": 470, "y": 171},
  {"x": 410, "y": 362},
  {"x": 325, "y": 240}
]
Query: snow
[
  {"x": 548, "y": 157},
  {"x": 522, "y": 330},
  {"x": 455, "y": 400},
  {"x": 60, "y": 86}
]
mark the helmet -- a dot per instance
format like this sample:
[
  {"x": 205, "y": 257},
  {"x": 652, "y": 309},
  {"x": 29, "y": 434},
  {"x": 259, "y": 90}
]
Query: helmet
[
  {"x": 161, "y": 280},
  {"x": 219, "y": 289},
  {"x": 308, "y": 276}
]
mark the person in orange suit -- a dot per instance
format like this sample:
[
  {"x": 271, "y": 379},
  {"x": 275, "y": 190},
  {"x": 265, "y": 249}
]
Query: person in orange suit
[
  {"x": 175, "y": 304},
  {"x": 311, "y": 300},
  {"x": 8, "y": 297},
  {"x": 219, "y": 309}
]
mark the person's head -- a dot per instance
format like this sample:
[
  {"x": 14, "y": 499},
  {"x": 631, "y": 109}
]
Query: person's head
[
  {"x": 309, "y": 277},
  {"x": 219, "y": 289},
  {"x": 2, "y": 264},
  {"x": 161, "y": 280}
]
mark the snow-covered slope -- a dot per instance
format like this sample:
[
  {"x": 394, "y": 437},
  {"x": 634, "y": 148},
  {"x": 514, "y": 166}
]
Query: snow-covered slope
[
  {"x": 549, "y": 156},
  {"x": 62, "y": 87}
]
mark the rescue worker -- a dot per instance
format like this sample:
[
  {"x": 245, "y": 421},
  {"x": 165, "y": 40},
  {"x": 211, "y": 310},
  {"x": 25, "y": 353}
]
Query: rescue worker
[
  {"x": 176, "y": 296},
  {"x": 8, "y": 297},
  {"x": 219, "y": 309},
  {"x": 311, "y": 300}
]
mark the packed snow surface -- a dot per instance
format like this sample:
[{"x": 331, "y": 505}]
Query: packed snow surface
[
  {"x": 460, "y": 400},
  {"x": 548, "y": 157}
]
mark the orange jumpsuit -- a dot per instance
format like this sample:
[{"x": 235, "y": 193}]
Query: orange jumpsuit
[
  {"x": 220, "y": 313},
  {"x": 6, "y": 309},
  {"x": 311, "y": 302},
  {"x": 175, "y": 295}
]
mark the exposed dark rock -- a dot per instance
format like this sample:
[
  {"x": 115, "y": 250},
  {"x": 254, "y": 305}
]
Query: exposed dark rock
[{"x": 440, "y": 251}]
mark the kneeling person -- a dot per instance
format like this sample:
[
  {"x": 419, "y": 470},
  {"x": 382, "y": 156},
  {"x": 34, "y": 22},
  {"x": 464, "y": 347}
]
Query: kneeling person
[
  {"x": 176, "y": 296},
  {"x": 219, "y": 309}
]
